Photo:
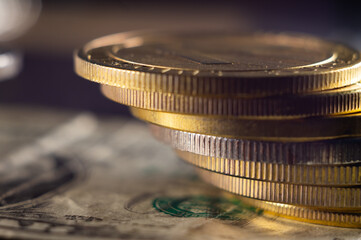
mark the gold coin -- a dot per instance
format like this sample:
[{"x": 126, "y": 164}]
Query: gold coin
[
  {"x": 331, "y": 152},
  {"x": 345, "y": 199},
  {"x": 304, "y": 214},
  {"x": 267, "y": 129},
  {"x": 218, "y": 64},
  {"x": 340, "y": 176},
  {"x": 337, "y": 101}
]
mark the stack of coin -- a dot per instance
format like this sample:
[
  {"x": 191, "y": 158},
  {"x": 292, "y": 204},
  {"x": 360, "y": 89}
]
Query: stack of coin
[{"x": 271, "y": 118}]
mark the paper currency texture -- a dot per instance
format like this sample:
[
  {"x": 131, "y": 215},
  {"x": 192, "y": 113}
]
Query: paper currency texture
[{"x": 70, "y": 175}]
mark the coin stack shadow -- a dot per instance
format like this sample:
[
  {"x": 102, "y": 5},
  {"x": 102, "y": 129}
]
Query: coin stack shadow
[{"x": 272, "y": 118}]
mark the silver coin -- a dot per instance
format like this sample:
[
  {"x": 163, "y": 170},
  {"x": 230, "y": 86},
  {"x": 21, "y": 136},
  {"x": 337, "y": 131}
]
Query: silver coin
[{"x": 330, "y": 152}]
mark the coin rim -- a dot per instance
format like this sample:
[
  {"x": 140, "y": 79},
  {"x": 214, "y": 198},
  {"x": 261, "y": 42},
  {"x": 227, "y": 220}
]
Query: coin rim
[
  {"x": 137, "y": 78},
  {"x": 328, "y": 176},
  {"x": 318, "y": 153},
  {"x": 304, "y": 214},
  {"x": 337, "y": 199},
  {"x": 274, "y": 129},
  {"x": 330, "y": 102}
]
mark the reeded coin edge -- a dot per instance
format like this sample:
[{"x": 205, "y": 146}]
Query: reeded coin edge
[
  {"x": 217, "y": 85},
  {"x": 303, "y": 195},
  {"x": 322, "y": 103},
  {"x": 264, "y": 129},
  {"x": 304, "y": 214},
  {"x": 328, "y": 176},
  {"x": 335, "y": 152}
]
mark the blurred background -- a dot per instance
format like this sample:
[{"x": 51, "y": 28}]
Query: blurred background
[{"x": 55, "y": 28}]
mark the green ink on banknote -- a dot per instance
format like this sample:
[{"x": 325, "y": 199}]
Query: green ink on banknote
[{"x": 205, "y": 207}]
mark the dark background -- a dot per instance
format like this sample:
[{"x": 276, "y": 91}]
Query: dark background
[{"x": 48, "y": 79}]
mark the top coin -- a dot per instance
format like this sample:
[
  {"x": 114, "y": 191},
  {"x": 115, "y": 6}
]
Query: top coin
[{"x": 218, "y": 64}]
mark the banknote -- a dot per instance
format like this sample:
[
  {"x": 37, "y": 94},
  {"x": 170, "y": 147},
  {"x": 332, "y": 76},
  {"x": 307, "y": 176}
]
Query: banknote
[{"x": 71, "y": 175}]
